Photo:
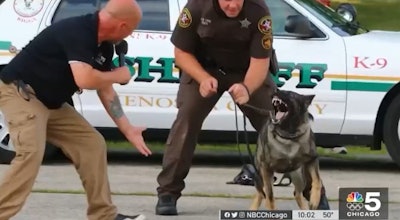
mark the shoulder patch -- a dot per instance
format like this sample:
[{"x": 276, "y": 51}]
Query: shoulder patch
[
  {"x": 265, "y": 25},
  {"x": 185, "y": 19},
  {"x": 266, "y": 41}
]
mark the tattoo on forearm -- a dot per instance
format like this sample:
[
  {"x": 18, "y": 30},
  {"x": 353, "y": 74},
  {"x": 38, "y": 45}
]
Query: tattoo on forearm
[{"x": 116, "y": 108}]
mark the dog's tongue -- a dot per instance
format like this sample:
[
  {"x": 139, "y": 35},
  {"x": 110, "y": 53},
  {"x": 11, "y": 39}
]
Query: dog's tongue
[{"x": 279, "y": 115}]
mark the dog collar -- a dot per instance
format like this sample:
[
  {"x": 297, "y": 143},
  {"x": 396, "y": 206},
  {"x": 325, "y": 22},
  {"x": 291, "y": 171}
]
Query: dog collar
[{"x": 290, "y": 137}]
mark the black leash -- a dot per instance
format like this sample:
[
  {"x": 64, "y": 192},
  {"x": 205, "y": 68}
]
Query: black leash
[
  {"x": 246, "y": 139},
  {"x": 256, "y": 177},
  {"x": 258, "y": 110}
]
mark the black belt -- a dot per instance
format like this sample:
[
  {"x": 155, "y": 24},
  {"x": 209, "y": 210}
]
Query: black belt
[
  {"x": 226, "y": 71},
  {"x": 210, "y": 65},
  {"x": 233, "y": 71}
]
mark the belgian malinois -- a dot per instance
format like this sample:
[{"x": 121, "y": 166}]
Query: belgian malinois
[{"x": 286, "y": 144}]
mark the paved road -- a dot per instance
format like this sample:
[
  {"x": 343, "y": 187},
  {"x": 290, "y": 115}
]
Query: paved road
[{"x": 133, "y": 182}]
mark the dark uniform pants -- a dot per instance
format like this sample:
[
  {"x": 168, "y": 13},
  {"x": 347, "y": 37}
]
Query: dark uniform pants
[
  {"x": 30, "y": 123},
  {"x": 192, "y": 111}
]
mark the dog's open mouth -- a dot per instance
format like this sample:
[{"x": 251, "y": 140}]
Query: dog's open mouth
[{"x": 280, "y": 110}]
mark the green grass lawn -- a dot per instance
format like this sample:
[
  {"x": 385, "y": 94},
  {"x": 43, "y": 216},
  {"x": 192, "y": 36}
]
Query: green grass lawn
[
  {"x": 376, "y": 14},
  {"x": 231, "y": 149}
]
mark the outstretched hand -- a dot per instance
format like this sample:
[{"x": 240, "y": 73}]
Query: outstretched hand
[{"x": 134, "y": 135}]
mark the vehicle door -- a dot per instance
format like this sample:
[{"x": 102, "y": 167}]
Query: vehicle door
[{"x": 314, "y": 65}]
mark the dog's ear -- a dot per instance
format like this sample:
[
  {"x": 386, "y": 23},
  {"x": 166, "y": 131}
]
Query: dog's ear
[{"x": 308, "y": 99}]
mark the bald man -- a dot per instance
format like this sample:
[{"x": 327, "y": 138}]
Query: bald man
[{"x": 68, "y": 56}]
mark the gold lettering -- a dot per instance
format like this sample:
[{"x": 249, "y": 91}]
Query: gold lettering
[
  {"x": 130, "y": 100},
  {"x": 164, "y": 103},
  {"x": 320, "y": 108},
  {"x": 230, "y": 106},
  {"x": 145, "y": 101}
]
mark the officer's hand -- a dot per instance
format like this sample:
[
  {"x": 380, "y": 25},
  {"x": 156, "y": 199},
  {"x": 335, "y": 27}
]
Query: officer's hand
[
  {"x": 239, "y": 93},
  {"x": 134, "y": 135},
  {"x": 122, "y": 75},
  {"x": 208, "y": 87}
]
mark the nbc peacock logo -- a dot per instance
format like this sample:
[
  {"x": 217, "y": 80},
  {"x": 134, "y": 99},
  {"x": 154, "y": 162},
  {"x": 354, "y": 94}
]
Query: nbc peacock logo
[
  {"x": 363, "y": 203},
  {"x": 355, "y": 201}
]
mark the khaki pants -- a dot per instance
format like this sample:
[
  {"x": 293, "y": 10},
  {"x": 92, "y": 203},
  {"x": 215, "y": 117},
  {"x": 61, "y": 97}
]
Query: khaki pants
[{"x": 30, "y": 125}]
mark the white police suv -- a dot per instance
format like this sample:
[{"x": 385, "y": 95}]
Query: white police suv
[{"x": 353, "y": 72}]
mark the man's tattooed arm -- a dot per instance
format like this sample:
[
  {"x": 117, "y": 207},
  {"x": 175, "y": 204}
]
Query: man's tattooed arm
[
  {"x": 116, "y": 108},
  {"x": 112, "y": 104}
]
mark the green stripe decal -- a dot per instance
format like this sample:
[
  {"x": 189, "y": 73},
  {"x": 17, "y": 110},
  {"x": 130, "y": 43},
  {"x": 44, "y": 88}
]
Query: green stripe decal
[
  {"x": 5, "y": 45},
  {"x": 361, "y": 86}
]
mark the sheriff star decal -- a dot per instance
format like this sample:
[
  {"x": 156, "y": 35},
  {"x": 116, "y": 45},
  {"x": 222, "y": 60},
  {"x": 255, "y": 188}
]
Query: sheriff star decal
[
  {"x": 185, "y": 19},
  {"x": 266, "y": 42},
  {"x": 265, "y": 25}
]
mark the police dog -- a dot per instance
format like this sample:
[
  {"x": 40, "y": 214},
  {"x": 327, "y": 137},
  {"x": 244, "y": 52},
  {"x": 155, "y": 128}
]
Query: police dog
[{"x": 286, "y": 144}]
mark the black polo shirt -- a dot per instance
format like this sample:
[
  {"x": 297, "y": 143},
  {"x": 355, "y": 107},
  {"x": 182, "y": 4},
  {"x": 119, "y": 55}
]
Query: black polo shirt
[{"x": 44, "y": 62}]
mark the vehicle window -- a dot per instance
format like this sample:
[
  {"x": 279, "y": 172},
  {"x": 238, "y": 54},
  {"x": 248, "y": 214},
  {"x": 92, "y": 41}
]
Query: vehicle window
[
  {"x": 155, "y": 15},
  {"x": 280, "y": 10},
  {"x": 330, "y": 18},
  {"x": 71, "y": 8},
  {"x": 155, "y": 12}
]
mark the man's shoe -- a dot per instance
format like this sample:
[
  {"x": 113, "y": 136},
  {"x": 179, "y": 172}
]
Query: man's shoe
[
  {"x": 323, "y": 203},
  {"x": 127, "y": 217},
  {"x": 166, "y": 205}
]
